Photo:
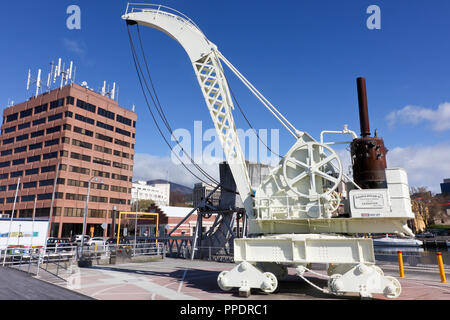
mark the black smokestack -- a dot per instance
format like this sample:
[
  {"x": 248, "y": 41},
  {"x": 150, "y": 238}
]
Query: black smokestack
[{"x": 363, "y": 109}]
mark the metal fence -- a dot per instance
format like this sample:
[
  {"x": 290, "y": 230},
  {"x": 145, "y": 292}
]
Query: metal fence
[{"x": 60, "y": 260}]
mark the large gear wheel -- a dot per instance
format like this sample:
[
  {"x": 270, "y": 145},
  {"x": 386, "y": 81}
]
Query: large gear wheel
[{"x": 304, "y": 165}]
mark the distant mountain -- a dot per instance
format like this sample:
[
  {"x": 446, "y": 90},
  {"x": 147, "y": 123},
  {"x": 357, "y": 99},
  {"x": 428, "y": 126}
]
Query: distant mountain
[{"x": 173, "y": 186}]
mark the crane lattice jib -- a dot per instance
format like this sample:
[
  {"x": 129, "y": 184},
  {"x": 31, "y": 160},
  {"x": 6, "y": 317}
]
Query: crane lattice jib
[{"x": 212, "y": 81}]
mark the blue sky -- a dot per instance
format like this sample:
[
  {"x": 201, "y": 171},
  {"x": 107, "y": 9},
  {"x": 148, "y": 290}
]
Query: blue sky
[{"x": 304, "y": 56}]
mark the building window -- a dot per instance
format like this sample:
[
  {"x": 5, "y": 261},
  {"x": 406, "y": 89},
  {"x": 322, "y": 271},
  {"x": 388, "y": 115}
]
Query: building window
[
  {"x": 84, "y": 119},
  {"x": 78, "y": 197},
  {"x": 30, "y": 172},
  {"x": 63, "y": 153},
  {"x": 122, "y": 143},
  {"x": 97, "y": 213},
  {"x": 106, "y": 113},
  {"x": 18, "y": 161},
  {"x": 28, "y": 185},
  {"x": 103, "y": 137},
  {"x": 99, "y": 173},
  {"x": 100, "y": 186},
  {"x": 8, "y": 141},
  {"x": 12, "y": 117},
  {"x": 10, "y": 129},
  {"x": 98, "y": 199},
  {"x": 124, "y": 132},
  {"x": 102, "y": 149},
  {"x": 73, "y": 212},
  {"x": 20, "y": 149},
  {"x": 22, "y": 137},
  {"x": 117, "y": 201},
  {"x": 81, "y": 144},
  {"x": 48, "y": 169},
  {"x": 83, "y": 131},
  {"x": 119, "y": 177},
  {"x": 34, "y": 158},
  {"x": 2, "y": 188},
  {"x": 123, "y": 120},
  {"x": 55, "y": 117},
  {"x": 53, "y": 130},
  {"x": 77, "y": 183},
  {"x": 120, "y": 165},
  {"x": 27, "y": 198},
  {"x": 68, "y": 114},
  {"x": 4, "y": 176},
  {"x": 26, "y": 113},
  {"x": 37, "y": 133},
  {"x": 35, "y": 146},
  {"x": 23, "y": 125},
  {"x": 6, "y": 152},
  {"x": 57, "y": 103},
  {"x": 118, "y": 189},
  {"x": 70, "y": 100},
  {"x": 49, "y": 143},
  {"x": 44, "y": 183},
  {"x": 5, "y": 164},
  {"x": 41, "y": 108},
  {"x": 50, "y": 155},
  {"x": 39, "y": 121},
  {"x": 16, "y": 174},
  {"x": 85, "y": 105},
  {"x": 45, "y": 196},
  {"x": 79, "y": 170},
  {"x": 78, "y": 156},
  {"x": 105, "y": 126},
  {"x": 101, "y": 161}
]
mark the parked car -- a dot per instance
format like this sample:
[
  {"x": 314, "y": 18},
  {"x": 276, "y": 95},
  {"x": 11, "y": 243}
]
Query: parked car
[
  {"x": 113, "y": 241},
  {"x": 77, "y": 239},
  {"x": 59, "y": 244},
  {"x": 100, "y": 242}
]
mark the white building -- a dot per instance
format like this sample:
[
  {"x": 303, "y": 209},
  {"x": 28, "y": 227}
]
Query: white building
[{"x": 159, "y": 193}]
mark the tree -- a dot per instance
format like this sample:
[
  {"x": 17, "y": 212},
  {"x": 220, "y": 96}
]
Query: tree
[
  {"x": 426, "y": 205},
  {"x": 141, "y": 205}
]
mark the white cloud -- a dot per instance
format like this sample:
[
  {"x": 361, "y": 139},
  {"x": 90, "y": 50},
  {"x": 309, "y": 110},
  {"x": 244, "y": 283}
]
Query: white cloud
[
  {"x": 149, "y": 167},
  {"x": 438, "y": 119},
  {"x": 77, "y": 47},
  {"x": 426, "y": 165}
]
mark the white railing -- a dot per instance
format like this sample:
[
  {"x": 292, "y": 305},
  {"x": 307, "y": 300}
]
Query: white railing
[{"x": 160, "y": 9}]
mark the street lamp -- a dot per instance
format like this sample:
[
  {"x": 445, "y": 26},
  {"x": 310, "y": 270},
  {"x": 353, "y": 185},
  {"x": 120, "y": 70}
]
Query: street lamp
[{"x": 95, "y": 179}]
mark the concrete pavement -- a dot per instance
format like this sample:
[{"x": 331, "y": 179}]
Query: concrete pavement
[{"x": 179, "y": 279}]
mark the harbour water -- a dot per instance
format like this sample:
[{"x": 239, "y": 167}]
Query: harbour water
[{"x": 412, "y": 256}]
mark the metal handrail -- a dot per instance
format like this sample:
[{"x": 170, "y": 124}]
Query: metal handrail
[{"x": 169, "y": 11}]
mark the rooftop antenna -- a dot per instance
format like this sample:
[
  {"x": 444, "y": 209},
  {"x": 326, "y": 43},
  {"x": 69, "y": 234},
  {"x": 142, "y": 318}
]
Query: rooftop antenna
[
  {"x": 104, "y": 88},
  {"x": 133, "y": 107},
  {"x": 63, "y": 74},
  {"x": 50, "y": 76},
  {"x": 113, "y": 91},
  {"x": 28, "y": 80},
  {"x": 38, "y": 82},
  {"x": 74, "y": 73},
  {"x": 68, "y": 74}
]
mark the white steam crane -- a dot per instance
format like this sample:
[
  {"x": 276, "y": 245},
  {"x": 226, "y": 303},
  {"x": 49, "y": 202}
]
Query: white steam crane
[{"x": 292, "y": 217}]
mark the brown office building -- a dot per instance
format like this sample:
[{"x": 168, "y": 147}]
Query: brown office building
[{"x": 89, "y": 135}]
